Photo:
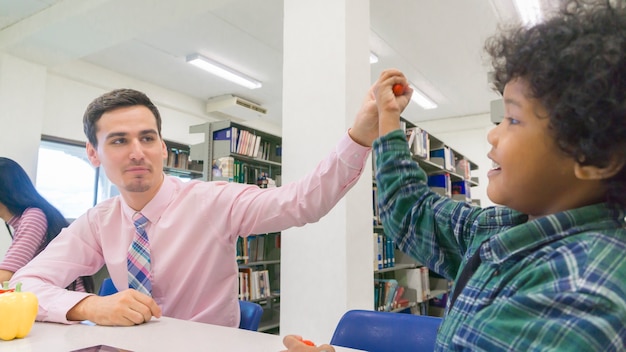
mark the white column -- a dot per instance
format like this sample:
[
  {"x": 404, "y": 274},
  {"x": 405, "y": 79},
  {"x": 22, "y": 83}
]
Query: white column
[
  {"x": 326, "y": 267},
  {"x": 22, "y": 98}
]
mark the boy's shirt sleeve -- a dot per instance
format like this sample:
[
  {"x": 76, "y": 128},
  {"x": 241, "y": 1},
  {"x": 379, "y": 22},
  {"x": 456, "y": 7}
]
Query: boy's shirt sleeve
[{"x": 433, "y": 229}]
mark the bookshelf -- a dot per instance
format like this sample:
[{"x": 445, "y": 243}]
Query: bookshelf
[
  {"x": 233, "y": 152},
  {"x": 400, "y": 283},
  {"x": 178, "y": 162},
  {"x": 236, "y": 153}
]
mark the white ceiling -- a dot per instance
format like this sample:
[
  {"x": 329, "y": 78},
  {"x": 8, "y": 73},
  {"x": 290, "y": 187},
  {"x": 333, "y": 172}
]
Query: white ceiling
[{"x": 437, "y": 43}]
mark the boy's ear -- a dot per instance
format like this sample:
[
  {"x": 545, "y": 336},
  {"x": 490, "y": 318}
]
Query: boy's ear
[{"x": 592, "y": 172}]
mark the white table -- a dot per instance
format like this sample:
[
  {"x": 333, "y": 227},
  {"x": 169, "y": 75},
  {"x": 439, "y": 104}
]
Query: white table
[{"x": 164, "y": 334}]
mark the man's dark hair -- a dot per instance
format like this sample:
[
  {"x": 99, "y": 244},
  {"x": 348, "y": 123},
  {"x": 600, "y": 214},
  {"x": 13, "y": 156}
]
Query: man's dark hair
[
  {"x": 112, "y": 100},
  {"x": 575, "y": 65}
]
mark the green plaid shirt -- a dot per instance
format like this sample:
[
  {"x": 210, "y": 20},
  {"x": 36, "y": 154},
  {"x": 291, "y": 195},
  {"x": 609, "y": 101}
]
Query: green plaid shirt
[{"x": 555, "y": 283}]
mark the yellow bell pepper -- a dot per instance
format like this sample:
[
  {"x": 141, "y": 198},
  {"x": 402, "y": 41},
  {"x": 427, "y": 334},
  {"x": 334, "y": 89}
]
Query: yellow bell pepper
[{"x": 18, "y": 311}]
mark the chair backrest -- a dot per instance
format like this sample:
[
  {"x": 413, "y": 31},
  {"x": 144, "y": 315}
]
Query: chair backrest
[
  {"x": 250, "y": 312},
  {"x": 384, "y": 331},
  {"x": 250, "y": 315},
  {"x": 107, "y": 287}
]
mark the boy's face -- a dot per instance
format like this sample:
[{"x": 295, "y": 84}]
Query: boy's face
[
  {"x": 531, "y": 174},
  {"x": 130, "y": 150}
]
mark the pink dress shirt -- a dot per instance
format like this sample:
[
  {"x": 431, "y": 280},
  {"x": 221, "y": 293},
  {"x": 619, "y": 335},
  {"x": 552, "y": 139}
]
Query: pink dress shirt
[{"x": 193, "y": 228}]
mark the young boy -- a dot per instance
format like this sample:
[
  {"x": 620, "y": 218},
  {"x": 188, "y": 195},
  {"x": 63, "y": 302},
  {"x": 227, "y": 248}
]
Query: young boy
[{"x": 546, "y": 271}]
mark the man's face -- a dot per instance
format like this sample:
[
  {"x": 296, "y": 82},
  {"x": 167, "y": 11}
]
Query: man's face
[
  {"x": 130, "y": 150},
  {"x": 531, "y": 174}
]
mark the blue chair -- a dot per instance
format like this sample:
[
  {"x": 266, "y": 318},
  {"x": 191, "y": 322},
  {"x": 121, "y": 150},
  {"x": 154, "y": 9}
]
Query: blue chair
[
  {"x": 107, "y": 288},
  {"x": 384, "y": 331},
  {"x": 250, "y": 315},
  {"x": 250, "y": 312}
]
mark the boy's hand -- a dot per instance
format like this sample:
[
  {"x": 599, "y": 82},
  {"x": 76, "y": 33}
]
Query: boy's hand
[
  {"x": 390, "y": 105},
  {"x": 295, "y": 343},
  {"x": 125, "y": 308}
]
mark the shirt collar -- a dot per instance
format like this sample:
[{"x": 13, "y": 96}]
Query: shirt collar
[
  {"x": 553, "y": 227},
  {"x": 157, "y": 205}
]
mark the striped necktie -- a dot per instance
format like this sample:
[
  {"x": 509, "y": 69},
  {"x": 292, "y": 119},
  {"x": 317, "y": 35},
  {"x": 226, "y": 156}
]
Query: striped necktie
[{"x": 138, "y": 260}]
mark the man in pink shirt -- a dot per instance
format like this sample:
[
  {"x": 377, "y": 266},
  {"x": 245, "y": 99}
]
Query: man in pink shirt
[{"x": 192, "y": 227}]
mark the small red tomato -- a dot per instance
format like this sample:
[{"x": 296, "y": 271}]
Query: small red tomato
[
  {"x": 398, "y": 89},
  {"x": 308, "y": 342}
]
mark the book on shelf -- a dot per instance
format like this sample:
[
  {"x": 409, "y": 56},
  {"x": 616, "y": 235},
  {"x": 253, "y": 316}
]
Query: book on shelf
[
  {"x": 464, "y": 167},
  {"x": 461, "y": 191},
  {"x": 418, "y": 280},
  {"x": 254, "y": 284},
  {"x": 383, "y": 286},
  {"x": 441, "y": 183},
  {"x": 410, "y": 136},
  {"x": 389, "y": 295},
  {"x": 419, "y": 143},
  {"x": 177, "y": 158},
  {"x": 258, "y": 248},
  {"x": 244, "y": 283},
  {"x": 378, "y": 256},
  {"x": 224, "y": 167},
  {"x": 384, "y": 251},
  {"x": 257, "y": 147},
  {"x": 444, "y": 157},
  {"x": 242, "y": 250}
]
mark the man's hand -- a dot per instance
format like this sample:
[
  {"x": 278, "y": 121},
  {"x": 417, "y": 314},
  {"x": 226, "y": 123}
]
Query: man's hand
[
  {"x": 124, "y": 308},
  {"x": 294, "y": 343},
  {"x": 365, "y": 128}
]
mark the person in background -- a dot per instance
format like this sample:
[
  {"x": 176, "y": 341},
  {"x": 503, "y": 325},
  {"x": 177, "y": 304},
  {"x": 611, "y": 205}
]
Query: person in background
[
  {"x": 191, "y": 228},
  {"x": 545, "y": 271},
  {"x": 32, "y": 222}
]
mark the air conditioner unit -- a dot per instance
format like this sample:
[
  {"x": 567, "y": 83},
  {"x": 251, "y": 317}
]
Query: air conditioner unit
[{"x": 235, "y": 107}]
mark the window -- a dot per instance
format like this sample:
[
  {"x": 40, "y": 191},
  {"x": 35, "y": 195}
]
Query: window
[{"x": 66, "y": 178}]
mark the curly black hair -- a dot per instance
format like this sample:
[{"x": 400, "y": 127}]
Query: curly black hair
[{"x": 575, "y": 65}]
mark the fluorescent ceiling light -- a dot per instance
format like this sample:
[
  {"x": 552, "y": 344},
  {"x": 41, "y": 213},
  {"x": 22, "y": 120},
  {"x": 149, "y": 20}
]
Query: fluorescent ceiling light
[
  {"x": 422, "y": 99},
  {"x": 529, "y": 11},
  {"x": 373, "y": 58},
  {"x": 223, "y": 71}
]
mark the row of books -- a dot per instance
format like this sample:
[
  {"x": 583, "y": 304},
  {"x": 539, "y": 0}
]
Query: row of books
[
  {"x": 442, "y": 184},
  {"x": 419, "y": 141},
  {"x": 241, "y": 172},
  {"x": 376, "y": 210},
  {"x": 245, "y": 143},
  {"x": 384, "y": 251},
  {"x": 177, "y": 158},
  {"x": 420, "y": 145},
  {"x": 388, "y": 295},
  {"x": 444, "y": 157},
  {"x": 253, "y": 284},
  {"x": 256, "y": 248}
]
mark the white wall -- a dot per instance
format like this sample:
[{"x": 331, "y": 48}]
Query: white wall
[{"x": 22, "y": 87}]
